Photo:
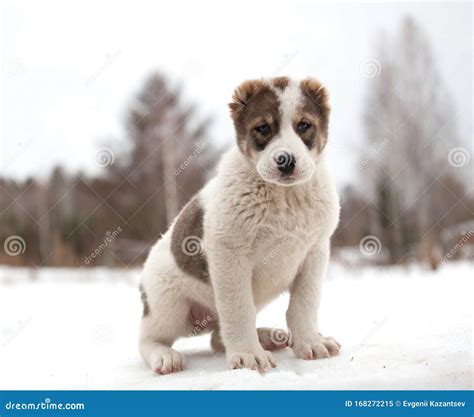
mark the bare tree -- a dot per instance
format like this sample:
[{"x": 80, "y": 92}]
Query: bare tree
[
  {"x": 410, "y": 113},
  {"x": 169, "y": 158}
]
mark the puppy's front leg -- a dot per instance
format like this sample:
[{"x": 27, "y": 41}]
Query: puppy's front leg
[
  {"x": 231, "y": 276},
  {"x": 302, "y": 314}
]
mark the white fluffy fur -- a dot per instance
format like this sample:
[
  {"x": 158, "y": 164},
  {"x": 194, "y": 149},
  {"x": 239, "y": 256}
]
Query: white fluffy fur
[{"x": 260, "y": 240}]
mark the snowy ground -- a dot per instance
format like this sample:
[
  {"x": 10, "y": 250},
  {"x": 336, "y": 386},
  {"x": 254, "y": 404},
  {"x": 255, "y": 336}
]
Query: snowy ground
[{"x": 400, "y": 329}]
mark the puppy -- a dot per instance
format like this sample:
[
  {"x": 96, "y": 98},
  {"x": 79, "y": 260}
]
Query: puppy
[{"x": 262, "y": 226}]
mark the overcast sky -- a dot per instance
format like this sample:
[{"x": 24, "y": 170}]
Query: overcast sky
[{"x": 69, "y": 71}]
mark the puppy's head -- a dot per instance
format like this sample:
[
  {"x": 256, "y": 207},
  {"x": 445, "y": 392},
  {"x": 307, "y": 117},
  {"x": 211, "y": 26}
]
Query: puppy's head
[{"x": 281, "y": 126}]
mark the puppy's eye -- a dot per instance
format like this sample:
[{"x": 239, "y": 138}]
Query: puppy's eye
[
  {"x": 263, "y": 129},
  {"x": 303, "y": 127}
]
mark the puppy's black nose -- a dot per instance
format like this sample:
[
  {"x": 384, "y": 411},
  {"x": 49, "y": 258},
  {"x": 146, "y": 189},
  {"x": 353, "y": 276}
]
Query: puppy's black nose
[{"x": 285, "y": 162}]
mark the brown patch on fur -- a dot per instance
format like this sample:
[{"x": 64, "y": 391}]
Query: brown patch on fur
[
  {"x": 146, "y": 306},
  {"x": 281, "y": 82},
  {"x": 186, "y": 241},
  {"x": 254, "y": 102},
  {"x": 315, "y": 109}
]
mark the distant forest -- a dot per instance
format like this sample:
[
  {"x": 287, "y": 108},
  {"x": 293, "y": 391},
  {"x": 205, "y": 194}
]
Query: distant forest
[{"x": 411, "y": 192}]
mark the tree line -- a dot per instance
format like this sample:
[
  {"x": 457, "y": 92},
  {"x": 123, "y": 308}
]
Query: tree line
[{"x": 411, "y": 195}]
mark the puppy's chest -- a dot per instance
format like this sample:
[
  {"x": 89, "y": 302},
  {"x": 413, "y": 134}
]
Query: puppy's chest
[
  {"x": 276, "y": 247},
  {"x": 291, "y": 227}
]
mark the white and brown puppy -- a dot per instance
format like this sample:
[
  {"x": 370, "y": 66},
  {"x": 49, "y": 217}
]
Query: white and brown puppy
[{"x": 262, "y": 226}]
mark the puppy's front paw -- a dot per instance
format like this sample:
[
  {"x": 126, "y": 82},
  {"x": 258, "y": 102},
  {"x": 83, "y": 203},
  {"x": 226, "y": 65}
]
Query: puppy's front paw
[
  {"x": 261, "y": 360},
  {"x": 166, "y": 361},
  {"x": 317, "y": 347}
]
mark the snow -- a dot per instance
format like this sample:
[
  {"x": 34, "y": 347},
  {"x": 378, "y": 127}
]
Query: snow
[{"x": 401, "y": 328}]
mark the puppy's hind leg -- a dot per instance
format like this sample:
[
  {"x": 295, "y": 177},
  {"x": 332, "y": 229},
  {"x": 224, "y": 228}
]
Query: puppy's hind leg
[
  {"x": 273, "y": 339},
  {"x": 216, "y": 342},
  {"x": 162, "y": 323}
]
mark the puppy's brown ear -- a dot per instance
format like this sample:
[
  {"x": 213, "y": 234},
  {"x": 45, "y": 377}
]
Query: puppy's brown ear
[
  {"x": 318, "y": 94},
  {"x": 242, "y": 94}
]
